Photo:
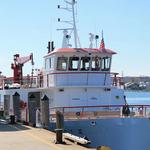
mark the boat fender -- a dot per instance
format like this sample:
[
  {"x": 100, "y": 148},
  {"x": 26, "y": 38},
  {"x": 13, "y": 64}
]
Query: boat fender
[
  {"x": 86, "y": 138},
  {"x": 23, "y": 104}
]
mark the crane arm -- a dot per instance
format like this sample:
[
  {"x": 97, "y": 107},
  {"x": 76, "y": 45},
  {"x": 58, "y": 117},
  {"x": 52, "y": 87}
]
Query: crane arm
[{"x": 23, "y": 60}]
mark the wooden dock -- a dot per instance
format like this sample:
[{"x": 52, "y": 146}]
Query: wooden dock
[{"x": 20, "y": 137}]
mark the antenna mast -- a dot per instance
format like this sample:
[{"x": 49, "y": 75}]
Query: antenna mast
[{"x": 72, "y": 22}]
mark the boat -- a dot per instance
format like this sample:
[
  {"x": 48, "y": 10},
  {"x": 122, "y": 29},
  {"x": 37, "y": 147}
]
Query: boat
[{"x": 78, "y": 83}]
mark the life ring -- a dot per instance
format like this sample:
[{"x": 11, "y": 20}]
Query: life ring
[
  {"x": 23, "y": 104},
  {"x": 77, "y": 113}
]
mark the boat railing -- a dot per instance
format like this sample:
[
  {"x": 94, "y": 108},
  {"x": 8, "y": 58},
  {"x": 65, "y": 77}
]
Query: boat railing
[
  {"x": 102, "y": 111},
  {"x": 37, "y": 81},
  {"x": 27, "y": 82}
]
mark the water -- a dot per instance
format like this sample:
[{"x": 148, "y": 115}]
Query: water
[{"x": 134, "y": 98}]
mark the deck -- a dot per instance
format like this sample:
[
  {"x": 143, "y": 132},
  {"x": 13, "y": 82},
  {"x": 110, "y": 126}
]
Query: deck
[{"x": 20, "y": 137}]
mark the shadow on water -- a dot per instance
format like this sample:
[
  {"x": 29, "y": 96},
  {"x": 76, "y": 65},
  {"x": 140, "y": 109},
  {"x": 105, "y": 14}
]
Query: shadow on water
[{"x": 6, "y": 127}]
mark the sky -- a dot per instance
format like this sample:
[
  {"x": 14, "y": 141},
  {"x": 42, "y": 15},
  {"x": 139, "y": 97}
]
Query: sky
[{"x": 27, "y": 26}]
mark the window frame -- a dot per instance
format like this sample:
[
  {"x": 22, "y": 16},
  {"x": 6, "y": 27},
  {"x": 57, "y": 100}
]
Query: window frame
[
  {"x": 104, "y": 66},
  {"x": 59, "y": 67},
  {"x": 100, "y": 63},
  {"x": 70, "y": 67},
  {"x": 89, "y": 62},
  {"x": 52, "y": 63}
]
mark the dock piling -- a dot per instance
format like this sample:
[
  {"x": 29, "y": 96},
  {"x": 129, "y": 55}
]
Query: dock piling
[
  {"x": 44, "y": 106},
  {"x": 59, "y": 127}
]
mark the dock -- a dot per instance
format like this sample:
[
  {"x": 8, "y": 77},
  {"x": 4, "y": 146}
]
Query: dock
[{"x": 21, "y": 137}]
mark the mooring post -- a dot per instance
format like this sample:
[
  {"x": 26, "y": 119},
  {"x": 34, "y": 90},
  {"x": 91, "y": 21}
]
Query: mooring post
[
  {"x": 44, "y": 106},
  {"x": 59, "y": 127},
  {"x": 32, "y": 109},
  {"x": 16, "y": 107}
]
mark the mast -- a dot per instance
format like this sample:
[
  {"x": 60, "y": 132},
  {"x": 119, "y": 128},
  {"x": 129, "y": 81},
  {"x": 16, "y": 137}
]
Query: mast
[
  {"x": 74, "y": 24},
  {"x": 73, "y": 29}
]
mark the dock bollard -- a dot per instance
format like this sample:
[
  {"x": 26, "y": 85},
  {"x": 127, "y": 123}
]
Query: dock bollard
[{"x": 59, "y": 133}]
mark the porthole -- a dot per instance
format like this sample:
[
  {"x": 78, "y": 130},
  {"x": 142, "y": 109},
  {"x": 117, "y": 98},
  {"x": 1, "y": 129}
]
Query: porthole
[
  {"x": 61, "y": 90},
  {"x": 93, "y": 123},
  {"x": 117, "y": 97}
]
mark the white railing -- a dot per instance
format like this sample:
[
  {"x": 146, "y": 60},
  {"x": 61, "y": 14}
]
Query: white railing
[{"x": 27, "y": 82}]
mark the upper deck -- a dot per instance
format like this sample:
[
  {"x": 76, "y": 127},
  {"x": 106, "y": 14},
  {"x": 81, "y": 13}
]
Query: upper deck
[{"x": 82, "y": 50}]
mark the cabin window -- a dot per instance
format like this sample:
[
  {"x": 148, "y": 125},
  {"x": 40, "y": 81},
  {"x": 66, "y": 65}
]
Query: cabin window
[
  {"x": 51, "y": 62},
  {"x": 73, "y": 63},
  {"x": 106, "y": 63},
  {"x": 46, "y": 63},
  {"x": 85, "y": 63},
  {"x": 96, "y": 63},
  {"x": 62, "y": 63}
]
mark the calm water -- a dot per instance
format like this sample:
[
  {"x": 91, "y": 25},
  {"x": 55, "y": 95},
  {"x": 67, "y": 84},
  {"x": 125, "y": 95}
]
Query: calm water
[{"x": 138, "y": 97}]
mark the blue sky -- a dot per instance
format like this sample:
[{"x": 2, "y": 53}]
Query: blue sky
[{"x": 26, "y": 26}]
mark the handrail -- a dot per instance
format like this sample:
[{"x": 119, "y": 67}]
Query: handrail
[
  {"x": 104, "y": 111},
  {"x": 80, "y": 72},
  {"x": 28, "y": 82},
  {"x": 101, "y": 106}
]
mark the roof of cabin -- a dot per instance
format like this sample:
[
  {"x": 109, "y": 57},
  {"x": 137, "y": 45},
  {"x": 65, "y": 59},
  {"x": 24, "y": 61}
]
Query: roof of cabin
[{"x": 82, "y": 50}]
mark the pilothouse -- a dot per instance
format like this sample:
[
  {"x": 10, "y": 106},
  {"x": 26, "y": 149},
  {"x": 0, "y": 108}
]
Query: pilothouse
[{"x": 90, "y": 63}]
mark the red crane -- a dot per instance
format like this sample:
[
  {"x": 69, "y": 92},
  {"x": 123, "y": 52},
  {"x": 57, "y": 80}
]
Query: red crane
[{"x": 18, "y": 65}]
